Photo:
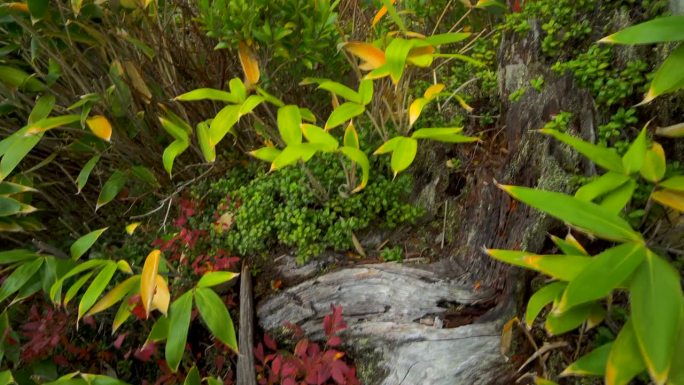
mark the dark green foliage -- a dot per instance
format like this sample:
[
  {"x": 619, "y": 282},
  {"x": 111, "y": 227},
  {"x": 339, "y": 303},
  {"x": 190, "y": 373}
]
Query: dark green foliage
[
  {"x": 392, "y": 254},
  {"x": 560, "y": 121},
  {"x": 282, "y": 208},
  {"x": 618, "y": 122},
  {"x": 302, "y": 30}
]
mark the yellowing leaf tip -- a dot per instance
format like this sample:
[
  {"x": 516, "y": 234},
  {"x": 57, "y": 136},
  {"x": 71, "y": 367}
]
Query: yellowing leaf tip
[{"x": 608, "y": 39}]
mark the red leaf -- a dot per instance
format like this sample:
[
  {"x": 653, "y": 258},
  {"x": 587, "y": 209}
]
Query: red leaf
[
  {"x": 334, "y": 341},
  {"x": 259, "y": 352},
  {"x": 289, "y": 381},
  {"x": 119, "y": 340},
  {"x": 300, "y": 348},
  {"x": 276, "y": 365},
  {"x": 146, "y": 352}
]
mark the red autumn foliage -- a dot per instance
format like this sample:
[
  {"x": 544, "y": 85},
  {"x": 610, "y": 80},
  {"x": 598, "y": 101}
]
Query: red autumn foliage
[{"x": 309, "y": 364}]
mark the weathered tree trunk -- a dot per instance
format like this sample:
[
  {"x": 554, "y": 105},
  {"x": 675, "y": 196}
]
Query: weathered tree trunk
[
  {"x": 245, "y": 365},
  {"x": 396, "y": 313}
]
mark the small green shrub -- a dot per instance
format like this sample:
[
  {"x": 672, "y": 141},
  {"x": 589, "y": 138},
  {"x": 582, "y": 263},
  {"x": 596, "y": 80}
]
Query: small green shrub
[
  {"x": 560, "y": 121},
  {"x": 282, "y": 208},
  {"x": 395, "y": 254}
]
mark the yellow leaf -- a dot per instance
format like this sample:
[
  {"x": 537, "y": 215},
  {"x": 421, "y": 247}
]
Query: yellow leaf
[
  {"x": 463, "y": 103},
  {"x": 507, "y": 334},
  {"x": 415, "y": 109},
  {"x": 100, "y": 126},
  {"x": 433, "y": 91},
  {"x": 249, "y": 63},
  {"x": 131, "y": 227},
  {"x": 161, "y": 298},
  {"x": 23, "y": 7},
  {"x": 148, "y": 280},
  {"x": 114, "y": 296},
  {"x": 371, "y": 56},
  {"x": 137, "y": 81},
  {"x": 669, "y": 198}
]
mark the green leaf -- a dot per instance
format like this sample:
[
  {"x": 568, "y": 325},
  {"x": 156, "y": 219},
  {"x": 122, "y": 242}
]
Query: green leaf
[
  {"x": 214, "y": 381},
  {"x": 204, "y": 141},
  {"x": 602, "y": 156},
  {"x": 16, "y": 255},
  {"x": 144, "y": 174},
  {"x": 84, "y": 243},
  {"x": 83, "y": 176},
  {"x": 675, "y": 183},
  {"x": 563, "y": 267},
  {"x": 50, "y": 123},
  {"x": 606, "y": 272},
  {"x": 676, "y": 376},
  {"x": 96, "y": 288},
  {"x": 18, "y": 147},
  {"x": 214, "y": 278},
  {"x": 359, "y": 157},
  {"x": 9, "y": 188},
  {"x": 176, "y": 131},
  {"x": 591, "y": 364},
  {"x": 15, "y": 77},
  {"x": 160, "y": 330},
  {"x": 111, "y": 188},
  {"x": 215, "y": 315},
  {"x": 237, "y": 88},
  {"x": 557, "y": 324},
  {"x": 600, "y": 186},
  {"x": 250, "y": 104},
  {"x": 122, "y": 314},
  {"x": 268, "y": 154},
  {"x": 193, "y": 377},
  {"x": 9, "y": 206},
  {"x": 351, "y": 137},
  {"x": 6, "y": 378},
  {"x": 172, "y": 151},
  {"x": 207, "y": 93},
  {"x": 73, "y": 290},
  {"x": 307, "y": 115},
  {"x": 587, "y": 216},
  {"x": 541, "y": 298},
  {"x": 38, "y": 8},
  {"x": 446, "y": 38},
  {"x": 669, "y": 77},
  {"x": 389, "y": 145},
  {"x": 404, "y": 154},
  {"x": 130, "y": 285},
  {"x": 366, "y": 91},
  {"x": 179, "y": 323},
  {"x": 223, "y": 123},
  {"x": 289, "y": 122},
  {"x": 656, "y": 307},
  {"x": 270, "y": 98},
  {"x": 430, "y": 133},
  {"x": 394, "y": 15},
  {"x": 616, "y": 200},
  {"x": 569, "y": 245},
  {"x": 343, "y": 113},
  {"x": 292, "y": 154},
  {"x": 658, "y": 30},
  {"x": 396, "y": 53},
  {"x": 42, "y": 109},
  {"x": 635, "y": 155},
  {"x": 19, "y": 277},
  {"x": 341, "y": 90},
  {"x": 315, "y": 134},
  {"x": 56, "y": 289},
  {"x": 624, "y": 359}
]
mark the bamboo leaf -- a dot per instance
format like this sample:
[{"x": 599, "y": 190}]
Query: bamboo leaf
[
  {"x": 658, "y": 30},
  {"x": 676, "y": 183},
  {"x": 115, "y": 295},
  {"x": 591, "y": 364},
  {"x": 447, "y": 38},
  {"x": 223, "y": 123},
  {"x": 179, "y": 323},
  {"x": 616, "y": 200},
  {"x": 238, "y": 89},
  {"x": 669, "y": 198},
  {"x": 541, "y": 298},
  {"x": 315, "y": 134},
  {"x": 341, "y": 90},
  {"x": 50, "y": 123},
  {"x": 100, "y": 126},
  {"x": 359, "y": 157},
  {"x": 430, "y": 133},
  {"x": 73, "y": 290},
  {"x": 84, "y": 243},
  {"x": 600, "y": 186},
  {"x": 111, "y": 188},
  {"x": 403, "y": 155},
  {"x": 366, "y": 91},
  {"x": 343, "y": 113},
  {"x": 193, "y": 377},
  {"x": 96, "y": 288},
  {"x": 389, "y": 5},
  {"x": 171, "y": 152},
  {"x": 207, "y": 94},
  {"x": 292, "y": 154},
  {"x": 563, "y": 267},
  {"x": 602, "y": 156},
  {"x": 433, "y": 91},
  {"x": 587, "y": 216},
  {"x": 606, "y": 272},
  {"x": 204, "y": 141},
  {"x": 250, "y": 104},
  {"x": 83, "y": 176},
  {"x": 268, "y": 154},
  {"x": 624, "y": 360},
  {"x": 19, "y": 277},
  {"x": 351, "y": 137},
  {"x": 669, "y": 77},
  {"x": 396, "y": 53},
  {"x": 416, "y": 108},
  {"x": 656, "y": 307},
  {"x": 214, "y": 278},
  {"x": 289, "y": 123},
  {"x": 636, "y": 154},
  {"x": 249, "y": 63},
  {"x": 215, "y": 315},
  {"x": 148, "y": 280},
  {"x": 557, "y": 324}
]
